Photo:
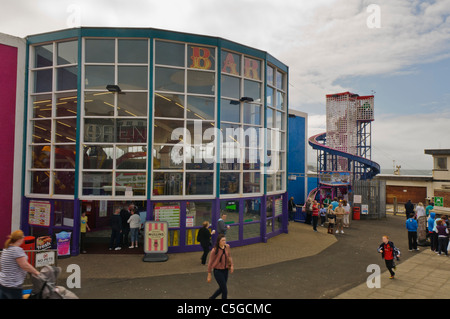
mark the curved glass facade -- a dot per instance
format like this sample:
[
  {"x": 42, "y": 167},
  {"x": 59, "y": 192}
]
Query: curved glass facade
[{"x": 186, "y": 126}]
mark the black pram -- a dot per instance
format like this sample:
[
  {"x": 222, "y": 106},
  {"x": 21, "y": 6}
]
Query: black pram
[{"x": 44, "y": 285}]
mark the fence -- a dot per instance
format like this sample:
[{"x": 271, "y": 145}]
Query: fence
[{"x": 370, "y": 196}]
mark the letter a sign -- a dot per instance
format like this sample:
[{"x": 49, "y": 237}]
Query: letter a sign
[{"x": 156, "y": 241}]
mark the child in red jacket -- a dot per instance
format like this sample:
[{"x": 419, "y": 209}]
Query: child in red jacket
[{"x": 389, "y": 253}]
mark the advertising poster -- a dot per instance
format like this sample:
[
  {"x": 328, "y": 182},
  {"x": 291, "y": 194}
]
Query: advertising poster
[
  {"x": 43, "y": 243},
  {"x": 169, "y": 214},
  {"x": 63, "y": 243},
  {"x": 39, "y": 213},
  {"x": 156, "y": 237}
]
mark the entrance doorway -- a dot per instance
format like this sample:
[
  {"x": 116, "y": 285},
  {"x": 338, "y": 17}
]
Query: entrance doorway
[{"x": 99, "y": 214}]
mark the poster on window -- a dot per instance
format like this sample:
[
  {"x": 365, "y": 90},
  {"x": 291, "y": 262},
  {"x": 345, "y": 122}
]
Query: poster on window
[
  {"x": 169, "y": 214},
  {"x": 63, "y": 243},
  {"x": 39, "y": 213}
]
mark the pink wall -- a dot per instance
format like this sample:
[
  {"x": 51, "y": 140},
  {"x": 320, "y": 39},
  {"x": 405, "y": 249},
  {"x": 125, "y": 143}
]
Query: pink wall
[{"x": 8, "y": 81}]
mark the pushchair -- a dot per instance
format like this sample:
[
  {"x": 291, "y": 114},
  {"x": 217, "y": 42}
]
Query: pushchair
[{"x": 44, "y": 285}]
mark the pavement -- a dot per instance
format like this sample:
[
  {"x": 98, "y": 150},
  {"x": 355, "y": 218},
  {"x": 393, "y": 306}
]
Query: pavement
[{"x": 301, "y": 264}]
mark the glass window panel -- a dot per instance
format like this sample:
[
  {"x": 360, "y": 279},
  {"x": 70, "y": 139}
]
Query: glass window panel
[
  {"x": 99, "y": 76},
  {"x": 67, "y": 52},
  {"x": 231, "y": 209},
  {"x": 200, "y": 157},
  {"x": 135, "y": 182},
  {"x": 252, "y": 210},
  {"x": 97, "y": 183},
  {"x": 252, "y": 89},
  {"x": 133, "y": 51},
  {"x": 269, "y": 117},
  {"x": 251, "y": 137},
  {"x": 40, "y": 156},
  {"x": 252, "y": 69},
  {"x": 270, "y": 97},
  {"x": 67, "y": 78},
  {"x": 252, "y": 114},
  {"x": 252, "y": 230},
  {"x": 100, "y": 50},
  {"x": 65, "y": 156},
  {"x": 251, "y": 160},
  {"x": 199, "y": 82},
  {"x": 202, "y": 108},
  {"x": 132, "y": 104},
  {"x": 41, "y": 131},
  {"x": 200, "y": 211},
  {"x": 231, "y": 87},
  {"x": 279, "y": 121},
  {"x": 270, "y": 77},
  {"x": 280, "y": 100},
  {"x": 229, "y": 183},
  {"x": 199, "y": 183},
  {"x": 64, "y": 182},
  {"x": 280, "y": 80},
  {"x": 167, "y": 183},
  {"x": 66, "y": 130},
  {"x": 43, "y": 55},
  {"x": 162, "y": 131},
  {"x": 231, "y": 63},
  {"x": 252, "y": 183},
  {"x": 98, "y": 156},
  {"x": 40, "y": 182},
  {"x": 279, "y": 181},
  {"x": 163, "y": 158},
  {"x": 230, "y": 152},
  {"x": 131, "y": 157},
  {"x": 169, "y": 79},
  {"x": 269, "y": 182},
  {"x": 133, "y": 77},
  {"x": 199, "y": 133},
  {"x": 168, "y": 53},
  {"x": 99, "y": 130},
  {"x": 66, "y": 104},
  {"x": 230, "y": 111},
  {"x": 169, "y": 105},
  {"x": 42, "y": 105},
  {"x": 202, "y": 58},
  {"x": 99, "y": 104},
  {"x": 132, "y": 131},
  {"x": 43, "y": 81}
]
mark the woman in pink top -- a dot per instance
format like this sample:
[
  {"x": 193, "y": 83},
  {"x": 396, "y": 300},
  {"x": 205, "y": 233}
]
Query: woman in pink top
[{"x": 220, "y": 262}]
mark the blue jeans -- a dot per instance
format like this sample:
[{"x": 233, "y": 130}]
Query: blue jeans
[{"x": 134, "y": 233}]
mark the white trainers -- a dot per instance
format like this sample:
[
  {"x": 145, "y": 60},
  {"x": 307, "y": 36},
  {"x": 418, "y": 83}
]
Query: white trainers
[
  {"x": 342, "y": 231},
  {"x": 131, "y": 246},
  {"x": 118, "y": 248}
]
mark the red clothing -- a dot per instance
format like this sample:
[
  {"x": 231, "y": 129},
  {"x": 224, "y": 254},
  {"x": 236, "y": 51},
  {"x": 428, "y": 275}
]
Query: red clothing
[
  {"x": 388, "y": 252},
  {"x": 315, "y": 211}
]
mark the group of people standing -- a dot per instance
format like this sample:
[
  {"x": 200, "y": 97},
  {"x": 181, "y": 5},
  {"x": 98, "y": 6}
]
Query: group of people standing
[
  {"x": 335, "y": 212},
  {"x": 422, "y": 224},
  {"x": 125, "y": 226}
]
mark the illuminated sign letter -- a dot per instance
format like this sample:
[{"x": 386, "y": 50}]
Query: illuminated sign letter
[
  {"x": 229, "y": 65},
  {"x": 251, "y": 69},
  {"x": 200, "y": 58}
]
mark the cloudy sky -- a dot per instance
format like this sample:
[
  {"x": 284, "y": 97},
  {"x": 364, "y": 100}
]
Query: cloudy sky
[{"x": 399, "y": 50}]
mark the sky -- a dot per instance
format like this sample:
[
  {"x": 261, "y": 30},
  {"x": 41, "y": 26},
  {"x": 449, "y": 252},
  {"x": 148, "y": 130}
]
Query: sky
[{"x": 398, "y": 50}]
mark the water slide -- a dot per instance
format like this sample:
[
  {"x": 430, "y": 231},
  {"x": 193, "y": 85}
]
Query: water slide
[{"x": 317, "y": 142}]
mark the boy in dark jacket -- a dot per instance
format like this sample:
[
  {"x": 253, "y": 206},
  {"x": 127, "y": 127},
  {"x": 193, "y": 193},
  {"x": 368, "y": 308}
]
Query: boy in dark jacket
[{"x": 389, "y": 252}]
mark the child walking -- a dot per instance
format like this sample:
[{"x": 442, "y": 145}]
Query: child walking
[{"x": 389, "y": 253}]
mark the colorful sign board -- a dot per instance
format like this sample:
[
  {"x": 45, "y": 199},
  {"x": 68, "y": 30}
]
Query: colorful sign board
[
  {"x": 439, "y": 201},
  {"x": 39, "y": 213},
  {"x": 156, "y": 237}
]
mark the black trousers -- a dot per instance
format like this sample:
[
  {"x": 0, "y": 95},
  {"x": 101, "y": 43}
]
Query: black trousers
[
  {"x": 221, "y": 276},
  {"x": 205, "y": 253},
  {"x": 390, "y": 266},
  {"x": 315, "y": 220},
  {"x": 443, "y": 242},
  {"x": 412, "y": 240}
]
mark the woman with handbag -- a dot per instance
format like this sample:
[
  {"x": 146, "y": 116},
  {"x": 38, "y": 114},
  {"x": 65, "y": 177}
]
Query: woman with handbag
[
  {"x": 221, "y": 263},
  {"x": 204, "y": 238}
]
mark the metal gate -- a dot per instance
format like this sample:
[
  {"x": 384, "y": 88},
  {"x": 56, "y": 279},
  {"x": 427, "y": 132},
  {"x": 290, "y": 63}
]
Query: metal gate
[{"x": 373, "y": 198}]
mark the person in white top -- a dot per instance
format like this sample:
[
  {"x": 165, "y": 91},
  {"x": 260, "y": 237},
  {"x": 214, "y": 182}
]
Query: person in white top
[
  {"x": 421, "y": 218},
  {"x": 14, "y": 267},
  {"x": 347, "y": 213},
  {"x": 135, "y": 224}
]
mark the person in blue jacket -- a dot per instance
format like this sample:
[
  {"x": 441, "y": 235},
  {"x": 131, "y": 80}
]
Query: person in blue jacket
[
  {"x": 411, "y": 225},
  {"x": 431, "y": 233}
]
